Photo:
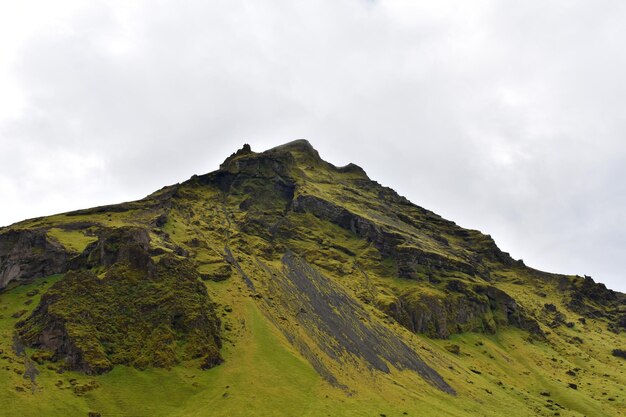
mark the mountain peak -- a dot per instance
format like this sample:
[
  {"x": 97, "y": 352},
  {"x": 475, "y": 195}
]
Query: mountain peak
[
  {"x": 245, "y": 150},
  {"x": 301, "y": 150},
  {"x": 298, "y": 152},
  {"x": 298, "y": 145}
]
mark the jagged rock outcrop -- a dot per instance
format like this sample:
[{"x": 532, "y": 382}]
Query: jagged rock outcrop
[
  {"x": 133, "y": 311},
  {"x": 416, "y": 263},
  {"x": 462, "y": 308},
  {"x": 151, "y": 315},
  {"x": 595, "y": 300},
  {"x": 412, "y": 261},
  {"x": 124, "y": 244},
  {"x": 586, "y": 295},
  {"x": 28, "y": 254}
]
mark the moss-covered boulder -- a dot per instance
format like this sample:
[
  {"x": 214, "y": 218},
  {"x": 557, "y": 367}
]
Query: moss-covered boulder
[{"x": 153, "y": 316}]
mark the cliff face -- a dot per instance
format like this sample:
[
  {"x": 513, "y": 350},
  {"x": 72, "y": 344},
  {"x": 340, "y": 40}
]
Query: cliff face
[
  {"x": 346, "y": 270},
  {"x": 117, "y": 305},
  {"x": 27, "y": 254}
]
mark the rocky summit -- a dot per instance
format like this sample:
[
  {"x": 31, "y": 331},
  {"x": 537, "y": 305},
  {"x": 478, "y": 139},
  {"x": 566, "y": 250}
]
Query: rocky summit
[{"x": 282, "y": 285}]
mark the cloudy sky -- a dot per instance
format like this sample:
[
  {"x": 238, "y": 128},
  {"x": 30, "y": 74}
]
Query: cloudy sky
[{"x": 504, "y": 116}]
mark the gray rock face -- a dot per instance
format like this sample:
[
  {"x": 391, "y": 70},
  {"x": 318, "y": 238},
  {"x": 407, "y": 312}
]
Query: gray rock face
[
  {"x": 479, "y": 308},
  {"x": 412, "y": 262},
  {"x": 440, "y": 317},
  {"x": 124, "y": 244},
  {"x": 384, "y": 241},
  {"x": 28, "y": 254}
]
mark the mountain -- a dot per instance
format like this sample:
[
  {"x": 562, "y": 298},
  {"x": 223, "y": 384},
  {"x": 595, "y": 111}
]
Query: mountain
[{"x": 282, "y": 285}]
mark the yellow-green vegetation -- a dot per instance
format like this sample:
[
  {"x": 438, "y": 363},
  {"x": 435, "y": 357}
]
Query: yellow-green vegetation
[
  {"x": 262, "y": 372},
  {"x": 73, "y": 240},
  {"x": 334, "y": 296}
]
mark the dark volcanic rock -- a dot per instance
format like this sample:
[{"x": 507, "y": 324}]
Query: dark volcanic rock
[
  {"x": 245, "y": 150},
  {"x": 385, "y": 242},
  {"x": 475, "y": 308},
  {"x": 28, "y": 254},
  {"x": 507, "y": 311},
  {"x": 414, "y": 262},
  {"x": 388, "y": 242},
  {"x": 595, "y": 300},
  {"x": 125, "y": 244},
  {"x": 586, "y": 292}
]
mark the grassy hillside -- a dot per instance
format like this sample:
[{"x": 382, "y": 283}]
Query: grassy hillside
[{"x": 333, "y": 296}]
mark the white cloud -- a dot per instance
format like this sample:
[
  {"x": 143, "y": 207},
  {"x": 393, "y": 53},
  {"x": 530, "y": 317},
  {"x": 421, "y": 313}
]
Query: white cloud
[{"x": 506, "y": 117}]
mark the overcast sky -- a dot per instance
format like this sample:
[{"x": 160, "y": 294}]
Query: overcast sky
[{"x": 504, "y": 116}]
